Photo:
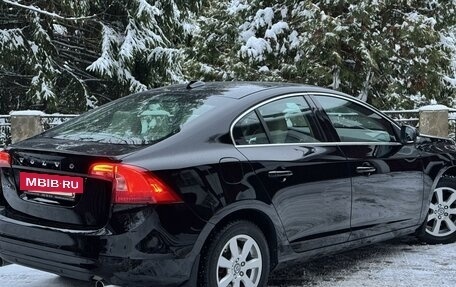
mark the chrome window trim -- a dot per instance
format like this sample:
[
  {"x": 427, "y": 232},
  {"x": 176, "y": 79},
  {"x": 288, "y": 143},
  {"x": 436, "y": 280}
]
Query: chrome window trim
[
  {"x": 257, "y": 106},
  {"x": 302, "y": 94},
  {"x": 323, "y": 144}
]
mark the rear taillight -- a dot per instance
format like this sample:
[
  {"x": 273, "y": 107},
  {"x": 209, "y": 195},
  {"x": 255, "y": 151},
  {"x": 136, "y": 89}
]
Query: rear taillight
[
  {"x": 134, "y": 185},
  {"x": 5, "y": 159}
]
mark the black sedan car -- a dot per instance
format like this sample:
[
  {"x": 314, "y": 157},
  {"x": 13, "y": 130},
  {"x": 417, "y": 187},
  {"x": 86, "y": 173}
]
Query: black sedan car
[{"x": 218, "y": 184}]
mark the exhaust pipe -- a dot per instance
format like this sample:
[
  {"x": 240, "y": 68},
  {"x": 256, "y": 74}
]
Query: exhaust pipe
[{"x": 100, "y": 283}]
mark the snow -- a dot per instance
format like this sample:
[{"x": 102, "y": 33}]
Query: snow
[
  {"x": 451, "y": 81},
  {"x": 104, "y": 64},
  {"x": 11, "y": 39},
  {"x": 54, "y": 15},
  {"x": 263, "y": 69},
  {"x": 306, "y": 13},
  {"x": 278, "y": 35},
  {"x": 59, "y": 29},
  {"x": 264, "y": 17},
  {"x": 19, "y": 276},
  {"x": 236, "y": 6},
  {"x": 46, "y": 91},
  {"x": 276, "y": 29},
  {"x": 284, "y": 12},
  {"x": 255, "y": 48},
  {"x": 293, "y": 39},
  {"x": 190, "y": 28},
  {"x": 434, "y": 108},
  {"x": 145, "y": 7},
  {"x": 27, "y": 113},
  {"x": 34, "y": 48},
  {"x": 400, "y": 262}
]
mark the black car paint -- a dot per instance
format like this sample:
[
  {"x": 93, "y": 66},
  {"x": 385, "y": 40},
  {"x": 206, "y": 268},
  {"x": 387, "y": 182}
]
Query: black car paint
[
  {"x": 377, "y": 208},
  {"x": 160, "y": 245}
]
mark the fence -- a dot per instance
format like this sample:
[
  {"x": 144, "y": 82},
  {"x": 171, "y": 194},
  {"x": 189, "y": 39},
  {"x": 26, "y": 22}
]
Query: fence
[
  {"x": 50, "y": 121},
  {"x": 412, "y": 117},
  {"x": 5, "y": 130},
  {"x": 409, "y": 117},
  {"x": 47, "y": 122}
]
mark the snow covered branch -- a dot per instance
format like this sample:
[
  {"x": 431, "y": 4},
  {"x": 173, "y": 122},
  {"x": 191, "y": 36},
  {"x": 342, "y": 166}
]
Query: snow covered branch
[{"x": 54, "y": 15}]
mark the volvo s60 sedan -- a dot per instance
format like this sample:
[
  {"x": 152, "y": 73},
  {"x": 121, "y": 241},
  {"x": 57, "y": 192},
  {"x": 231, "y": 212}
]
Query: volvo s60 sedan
[{"x": 219, "y": 184}]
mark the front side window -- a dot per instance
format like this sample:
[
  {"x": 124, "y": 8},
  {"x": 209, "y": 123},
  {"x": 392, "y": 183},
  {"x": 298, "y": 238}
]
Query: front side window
[{"x": 356, "y": 123}]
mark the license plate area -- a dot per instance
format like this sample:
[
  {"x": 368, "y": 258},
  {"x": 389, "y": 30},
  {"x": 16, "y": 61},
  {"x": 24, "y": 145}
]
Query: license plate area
[
  {"x": 33, "y": 195},
  {"x": 51, "y": 186}
]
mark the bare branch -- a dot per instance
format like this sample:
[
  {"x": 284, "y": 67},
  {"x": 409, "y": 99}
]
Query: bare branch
[{"x": 38, "y": 10}]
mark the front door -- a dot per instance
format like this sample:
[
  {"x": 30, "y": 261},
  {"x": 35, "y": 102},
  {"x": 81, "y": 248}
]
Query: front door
[{"x": 387, "y": 176}]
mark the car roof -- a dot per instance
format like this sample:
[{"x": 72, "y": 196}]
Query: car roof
[{"x": 239, "y": 90}]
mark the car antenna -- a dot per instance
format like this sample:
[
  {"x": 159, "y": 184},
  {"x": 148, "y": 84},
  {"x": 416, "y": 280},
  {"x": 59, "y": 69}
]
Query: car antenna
[{"x": 195, "y": 84}]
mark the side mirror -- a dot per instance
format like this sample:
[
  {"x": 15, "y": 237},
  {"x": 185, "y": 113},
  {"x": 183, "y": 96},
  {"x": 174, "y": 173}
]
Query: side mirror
[{"x": 408, "y": 134}]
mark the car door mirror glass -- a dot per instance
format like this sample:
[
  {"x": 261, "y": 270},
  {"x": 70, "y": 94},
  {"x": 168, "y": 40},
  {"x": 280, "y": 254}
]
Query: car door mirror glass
[{"x": 408, "y": 134}]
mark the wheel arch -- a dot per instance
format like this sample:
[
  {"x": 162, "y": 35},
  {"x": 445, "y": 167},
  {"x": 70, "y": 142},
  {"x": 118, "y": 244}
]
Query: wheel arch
[
  {"x": 447, "y": 171},
  {"x": 261, "y": 220},
  {"x": 445, "y": 177},
  {"x": 261, "y": 214}
]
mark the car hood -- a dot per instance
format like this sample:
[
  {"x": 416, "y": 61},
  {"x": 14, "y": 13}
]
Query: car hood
[{"x": 436, "y": 144}]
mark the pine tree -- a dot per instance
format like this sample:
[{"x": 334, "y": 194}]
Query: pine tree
[
  {"x": 68, "y": 56},
  {"x": 238, "y": 40},
  {"x": 388, "y": 53}
]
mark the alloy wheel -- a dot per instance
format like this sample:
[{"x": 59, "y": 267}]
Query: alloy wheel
[
  {"x": 240, "y": 263},
  {"x": 441, "y": 219}
]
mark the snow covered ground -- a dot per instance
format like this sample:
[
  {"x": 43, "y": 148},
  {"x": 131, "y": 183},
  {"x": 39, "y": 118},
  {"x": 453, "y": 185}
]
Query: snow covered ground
[{"x": 400, "y": 262}]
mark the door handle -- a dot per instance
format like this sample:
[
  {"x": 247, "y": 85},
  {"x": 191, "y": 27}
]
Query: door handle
[
  {"x": 365, "y": 169},
  {"x": 280, "y": 173}
]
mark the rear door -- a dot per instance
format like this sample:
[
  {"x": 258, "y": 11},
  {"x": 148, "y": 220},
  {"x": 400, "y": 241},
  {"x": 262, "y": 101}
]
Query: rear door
[
  {"x": 387, "y": 176},
  {"x": 307, "y": 179}
]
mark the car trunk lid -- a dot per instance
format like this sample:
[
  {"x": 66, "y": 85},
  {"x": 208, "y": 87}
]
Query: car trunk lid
[{"x": 52, "y": 188}]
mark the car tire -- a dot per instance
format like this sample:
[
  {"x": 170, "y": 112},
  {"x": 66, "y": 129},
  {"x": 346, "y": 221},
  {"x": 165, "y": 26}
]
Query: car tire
[
  {"x": 440, "y": 224},
  {"x": 235, "y": 253}
]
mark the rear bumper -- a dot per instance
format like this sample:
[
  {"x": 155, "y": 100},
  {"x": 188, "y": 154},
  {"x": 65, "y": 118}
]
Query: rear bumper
[
  {"x": 134, "y": 258},
  {"x": 46, "y": 259}
]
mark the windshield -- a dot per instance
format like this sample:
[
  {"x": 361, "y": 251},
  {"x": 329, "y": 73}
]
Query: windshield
[{"x": 140, "y": 119}]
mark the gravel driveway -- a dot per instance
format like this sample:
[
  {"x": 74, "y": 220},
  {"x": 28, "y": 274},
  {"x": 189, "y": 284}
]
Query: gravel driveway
[{"x": 399, "y": 262}]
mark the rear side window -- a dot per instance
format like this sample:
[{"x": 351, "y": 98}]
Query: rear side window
[
  {"x": 249, "y": 130},
  {"x": 140, "y": 119},
  {"x": 356, "y": 123},
  {"x": 285, "y": 120}
]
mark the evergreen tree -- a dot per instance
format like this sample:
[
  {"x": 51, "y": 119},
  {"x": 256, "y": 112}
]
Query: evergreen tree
[
  {"x": 389, "y": 53},
  {"x": 68, "y": 56}
]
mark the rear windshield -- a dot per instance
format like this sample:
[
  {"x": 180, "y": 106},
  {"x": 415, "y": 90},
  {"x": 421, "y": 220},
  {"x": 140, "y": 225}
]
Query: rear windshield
[{"x": 140, "y": 119}]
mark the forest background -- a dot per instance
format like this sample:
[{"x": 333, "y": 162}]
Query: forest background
[{"x": 70, "y": 56}]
